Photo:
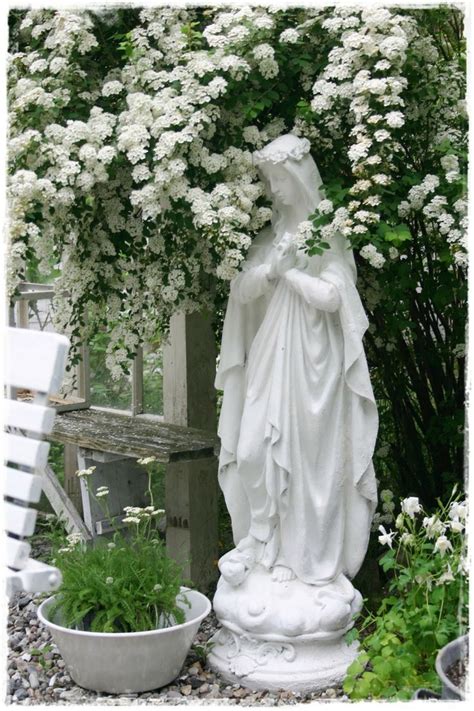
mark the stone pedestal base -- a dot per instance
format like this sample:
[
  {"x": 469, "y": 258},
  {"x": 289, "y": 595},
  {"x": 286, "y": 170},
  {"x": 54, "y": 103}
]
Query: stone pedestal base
[
  {"x": 293, "y": 665},
  {"x": 284, "y": 635}
]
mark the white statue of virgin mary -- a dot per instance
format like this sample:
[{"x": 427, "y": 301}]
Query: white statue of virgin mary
[{"x": 298, "y": 422}]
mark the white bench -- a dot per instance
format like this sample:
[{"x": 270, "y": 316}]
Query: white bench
[{"x": 35, "y": 361}]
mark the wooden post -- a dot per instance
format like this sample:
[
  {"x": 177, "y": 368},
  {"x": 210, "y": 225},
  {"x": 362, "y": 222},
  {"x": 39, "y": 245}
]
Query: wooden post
[
  {"x": 72, "y": 484},
  {"x": 189, "y": 399}
]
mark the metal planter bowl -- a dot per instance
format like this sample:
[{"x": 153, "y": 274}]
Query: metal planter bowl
[
  {"x": 448, "y": 655},
  {"x": 120, "y": 663}
]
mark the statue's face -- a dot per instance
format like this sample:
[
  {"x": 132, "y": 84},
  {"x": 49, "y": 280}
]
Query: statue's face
[{"x": 282, "y": 185}]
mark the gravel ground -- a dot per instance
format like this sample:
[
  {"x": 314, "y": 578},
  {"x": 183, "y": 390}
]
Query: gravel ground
[{"x": 37, "y": 674}]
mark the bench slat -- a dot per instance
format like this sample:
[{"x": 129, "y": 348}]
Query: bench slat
[
  {"x": 26, "y": 452},
  {"x": 18, "y": 519},
  {"x": 133, "y": 437},
  {"x": 35, "y": 361},
  {"x": 28, "y": 416},
  {"x": 21, "y": 485},
  {"x": 17, "y": 552},
  {"x": 34, "y": 577}
]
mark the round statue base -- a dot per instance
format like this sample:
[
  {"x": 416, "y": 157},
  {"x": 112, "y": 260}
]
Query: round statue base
[{"x": 293, "y": 665}]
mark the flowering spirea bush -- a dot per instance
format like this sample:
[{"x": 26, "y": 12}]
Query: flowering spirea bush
[
  {"x": 426, "y": 605},
  {"x": 131, "y": 135}
]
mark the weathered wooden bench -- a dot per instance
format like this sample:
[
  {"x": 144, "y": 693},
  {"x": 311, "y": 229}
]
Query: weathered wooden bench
[{"x": 112, "y": 443}]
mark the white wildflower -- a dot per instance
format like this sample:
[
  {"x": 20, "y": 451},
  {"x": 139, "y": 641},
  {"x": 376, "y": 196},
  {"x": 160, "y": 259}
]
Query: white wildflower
[
  {"x": 458, "y": 509},
  {"x": 83, "y": 473},
  {"x": 146, "y": 460},
  {"x": 411, "y": 506},
  {"x": 407, "y": 539},
  {"x": 446, "y": 577},
  {"x": 442, "y": 545},
  {"x": 386, "y": 538}
]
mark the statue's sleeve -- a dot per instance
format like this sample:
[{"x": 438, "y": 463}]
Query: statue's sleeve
[
  {"x": 315, "y": 291},
  {"x": 251, "y": 283}
]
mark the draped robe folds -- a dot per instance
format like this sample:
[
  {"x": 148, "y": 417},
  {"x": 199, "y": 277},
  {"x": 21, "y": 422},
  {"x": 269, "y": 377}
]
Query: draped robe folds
[{"x": 298, "y": 421}]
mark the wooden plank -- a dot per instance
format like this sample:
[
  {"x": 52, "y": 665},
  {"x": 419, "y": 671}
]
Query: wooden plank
[
  {"x": 26, "y": 452},
  {"x": 21, "y": 485},
  {"x": 120, "y": 434},
  {"x": 28, "y": 416},
  {"x": 32, "y": 291},
  {"x": 126, "y": 480},
  {"x": 62, "y": 504}
]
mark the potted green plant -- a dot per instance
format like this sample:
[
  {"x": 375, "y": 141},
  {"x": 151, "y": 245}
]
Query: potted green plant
[{"x": 121, "y": 619}]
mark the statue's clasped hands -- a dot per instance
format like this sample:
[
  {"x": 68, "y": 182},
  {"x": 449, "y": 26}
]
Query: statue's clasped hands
[{"x": 284, "y": 256}]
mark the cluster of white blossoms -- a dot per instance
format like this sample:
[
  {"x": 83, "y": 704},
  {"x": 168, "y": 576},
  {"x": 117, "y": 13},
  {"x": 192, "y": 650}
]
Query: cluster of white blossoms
[
  {"x": 73, "y": 541},
  {"x": 448, "y": 220},
  {"x": 303, "y": 233},
  {"x": 137, "y": 514},
  {"x": 385, "y": 516},
  {"x": 364, "y": 74},
  {"x": 432, "y": 527},
  {"x": 373, "y": 256},
  {"x": 152, "y": 192},
  {"x": 85, "y": 473}
]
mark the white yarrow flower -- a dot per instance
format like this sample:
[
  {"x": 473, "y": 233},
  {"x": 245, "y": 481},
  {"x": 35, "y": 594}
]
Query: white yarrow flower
[
  {"x": 146, "y": 460},
  {"x": 84, "y": 473}
]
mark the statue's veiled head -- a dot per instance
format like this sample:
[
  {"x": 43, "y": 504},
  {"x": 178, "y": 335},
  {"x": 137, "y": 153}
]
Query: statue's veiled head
[
  {"x": 292, "y": 180},
  {"x": 289, "y": 172}
]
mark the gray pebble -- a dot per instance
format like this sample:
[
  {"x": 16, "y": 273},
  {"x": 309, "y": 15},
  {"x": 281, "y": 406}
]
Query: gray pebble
[
  {"x": 20, "y": 694},
  {"x": 33, "y": 679}
]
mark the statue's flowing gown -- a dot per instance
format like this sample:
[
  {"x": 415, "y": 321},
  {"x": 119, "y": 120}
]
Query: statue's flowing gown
[{"x": 298, "y": 421}]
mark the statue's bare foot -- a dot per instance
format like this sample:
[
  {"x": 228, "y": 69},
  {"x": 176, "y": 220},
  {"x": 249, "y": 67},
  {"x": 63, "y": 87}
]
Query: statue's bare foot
[{"x": 281, "y": 574}]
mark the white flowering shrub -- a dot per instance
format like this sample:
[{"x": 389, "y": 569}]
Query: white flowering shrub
[{"x": 131, "y": 135}]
